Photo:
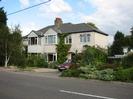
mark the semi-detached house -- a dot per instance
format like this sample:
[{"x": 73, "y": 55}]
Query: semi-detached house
[{"x": 44, "y": 40}]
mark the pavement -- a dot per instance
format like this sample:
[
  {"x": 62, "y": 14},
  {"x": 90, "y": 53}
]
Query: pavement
[{"x": 48, "y": 85}]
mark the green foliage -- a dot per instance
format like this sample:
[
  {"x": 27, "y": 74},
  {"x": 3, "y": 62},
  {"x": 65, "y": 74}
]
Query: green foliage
[
  {"x": 88, "y": 72},
  {"x": 116, "y": 48},
  {"x": 53, "y": 65},
  {"x": 10, "y": 43},
  {"x": 62, "y": 49},
  {"x": 71, "y": 73},
  {"x": 124, "y": 74},
  {"x": 107, "y": 75},
  {"x": 37, "y": 61},
  {"x": 3, "y": 18},
  {"x": 107, "y": 65},
  {"x": 40, "y": 62},
  {"x": 127, "y": 61},
  {"x": 94, "y": 56},
  {"x": 18, "y": 59}
]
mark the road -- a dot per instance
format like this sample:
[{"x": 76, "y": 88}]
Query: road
[{"x": 22, "y": 85}]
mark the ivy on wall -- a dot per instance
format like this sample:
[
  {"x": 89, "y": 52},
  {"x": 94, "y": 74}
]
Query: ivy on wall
[{"x": 62, "y": 48}]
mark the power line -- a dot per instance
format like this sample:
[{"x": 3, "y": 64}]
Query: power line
[{"x": 28, "y": 8}]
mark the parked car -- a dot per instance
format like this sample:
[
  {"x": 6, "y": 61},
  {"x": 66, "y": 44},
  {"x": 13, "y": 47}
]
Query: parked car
[{"x": 65, "y": 65}]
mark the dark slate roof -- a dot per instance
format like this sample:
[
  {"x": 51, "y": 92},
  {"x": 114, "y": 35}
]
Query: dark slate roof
[{"x": 70, "y": 28}]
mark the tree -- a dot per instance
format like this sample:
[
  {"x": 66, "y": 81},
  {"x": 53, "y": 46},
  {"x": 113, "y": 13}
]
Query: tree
[
  {"x": 10, "y": 41},
  {"x": 116, "y": 48},
  {"x": 3, "y": 18},
  {"x": 4, "y": 34}
]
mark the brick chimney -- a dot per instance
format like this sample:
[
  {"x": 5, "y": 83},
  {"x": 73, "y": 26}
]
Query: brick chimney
[{"x": 58, "y": 22}]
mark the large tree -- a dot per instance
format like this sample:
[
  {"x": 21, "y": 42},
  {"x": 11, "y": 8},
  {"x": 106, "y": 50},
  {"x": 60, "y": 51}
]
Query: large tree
[
  {"x": 116, "y": 48},
  {"x": 10, "y": 41},
  {"x": 4, "y": 34}
]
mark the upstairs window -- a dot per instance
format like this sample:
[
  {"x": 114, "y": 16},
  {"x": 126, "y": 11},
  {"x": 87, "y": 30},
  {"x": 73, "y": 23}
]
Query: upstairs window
[
  {"x": 32, "y": 41},
  {"x": 50, "y": 39},
  {"x": 68, "y": 39},
  {"x": 84, "y": 38}
]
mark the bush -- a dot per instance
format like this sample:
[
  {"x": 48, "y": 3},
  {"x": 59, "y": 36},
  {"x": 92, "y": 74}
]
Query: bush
[
  {"x": 88, "y": 72},
  {"x": 40, "y": 62},
  {"x": 127, "y": 61},
  {"x": 107, "y": 75},
  {"x": 18, "y": 59},
  {"x": 92, "y": 55},
  {"x": 124, "y": 74},
  {"x": 53, "y": 65},
  {"x": 71, "y": 73},
  {"x": 37, "y": 61},
  {"x": 107, "y": 66}
]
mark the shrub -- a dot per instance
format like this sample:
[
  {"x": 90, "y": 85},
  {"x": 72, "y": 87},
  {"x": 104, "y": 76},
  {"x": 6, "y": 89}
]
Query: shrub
[
  {"x": 127, "y": 61},
  {"x": 107, "y": 66},
  {"x": 88, "y": 71},
  {"x": 18, "y": 59},
  {"x": 92, "y": 55},
  {"x": 37, "y": 61},
  {"x": 124, "y": 74},
  {"x": 40, "y": 62},
  {"x": 71, "y": 73},
  {"x": 107, "y": 75},
  {"x": 53, "y": 65}
]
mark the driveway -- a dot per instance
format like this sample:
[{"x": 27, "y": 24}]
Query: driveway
[{"x": 30, "y": 85}]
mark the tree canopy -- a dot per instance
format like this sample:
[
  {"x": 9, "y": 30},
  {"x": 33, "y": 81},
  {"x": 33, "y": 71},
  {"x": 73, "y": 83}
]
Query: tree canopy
[
  {"x": 10, "y": 41},
  {"x": 116, "y": 48}
]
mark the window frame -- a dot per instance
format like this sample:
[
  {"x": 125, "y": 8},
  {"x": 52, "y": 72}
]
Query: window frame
[
  {"x": 32, "y": 40},
  {"x": 68, "y": 39},
  {"x": 52, "y": 41},
  {"x": 85, "y": 38}
]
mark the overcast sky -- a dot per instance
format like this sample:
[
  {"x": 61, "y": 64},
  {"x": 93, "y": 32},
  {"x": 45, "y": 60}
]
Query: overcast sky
[{"x": 108, "y": 15}]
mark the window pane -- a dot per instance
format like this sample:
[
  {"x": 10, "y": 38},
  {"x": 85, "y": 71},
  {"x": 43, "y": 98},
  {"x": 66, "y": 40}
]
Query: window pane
[
  {"x": 51, "y": 39},
  {"x": 81, "y": 39},
  {"x": 84, "y": 38},
  {"x": 46, "y": 39},
  {"x": 88, "y": 37},
  {"x": 70, "y": 40}
]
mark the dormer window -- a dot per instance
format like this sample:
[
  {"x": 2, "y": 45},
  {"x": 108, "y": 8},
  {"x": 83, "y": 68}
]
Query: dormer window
[
  {"x": 68, "y": 39},
  {"x": 32, "y": 40}
]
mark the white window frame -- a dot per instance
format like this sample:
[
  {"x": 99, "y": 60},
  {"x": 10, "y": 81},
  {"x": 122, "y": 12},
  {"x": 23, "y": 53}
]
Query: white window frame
[
  {"x": 54, "y": 58},
  {"x": 85, "y": 38},
  {"x": 47, "y": 41},
  {"x": 29, "y": 41},
  {"x": 68, "y": 39}
]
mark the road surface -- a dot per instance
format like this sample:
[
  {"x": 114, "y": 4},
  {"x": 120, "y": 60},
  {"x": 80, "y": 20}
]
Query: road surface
[{"x": 28, "y": 85}]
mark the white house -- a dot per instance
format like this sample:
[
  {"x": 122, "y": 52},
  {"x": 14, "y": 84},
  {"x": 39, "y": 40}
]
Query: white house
[{"x": 44, "y": 40}]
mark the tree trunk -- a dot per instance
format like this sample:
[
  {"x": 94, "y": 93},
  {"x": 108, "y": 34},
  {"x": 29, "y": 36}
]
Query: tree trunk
[{"x": 6, "y": 62}]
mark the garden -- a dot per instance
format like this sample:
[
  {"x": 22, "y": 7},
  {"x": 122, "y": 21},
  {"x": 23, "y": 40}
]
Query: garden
[{"x": 93, "y": 64}]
